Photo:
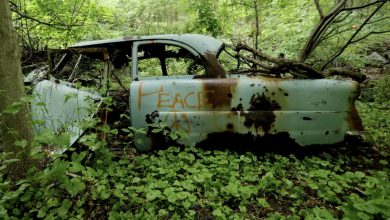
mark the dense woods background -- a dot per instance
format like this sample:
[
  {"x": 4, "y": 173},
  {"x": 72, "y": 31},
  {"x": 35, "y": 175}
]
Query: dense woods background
[
  {"x": 274, "y": 26},
  {"x": 96, "y": 181}
]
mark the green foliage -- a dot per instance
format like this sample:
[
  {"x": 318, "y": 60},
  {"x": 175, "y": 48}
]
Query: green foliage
[
  {"x": 195, "y": 182},
  {"x": 382, "y": 92},
  {"x": 59, "y": 23},
  {"x": 284, "y": 25},
  {"x": 206, "y": 18},
  {"x": 376, "y": 201},
  {"x": 375, "y": 115}
]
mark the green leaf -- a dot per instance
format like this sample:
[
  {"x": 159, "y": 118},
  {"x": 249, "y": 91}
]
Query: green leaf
[
  {"x": 170, "y": 194},
  {"x": 363, "y": 216},
  {"x": 75, "y": 186},
  {"x": 52, "y": 202},
  {"x": 62, "y": 141},
  {"x": 13, "y": 108},
  {"x": 173, "y": 136},
  {"x": 218, "y": 213},
  {"x": 263, "y": 202},
  {"x": 359, "y": 174},
  {"x": 125, "y": 130},
  {"x": 156, "y": 130},
  {"x": 140, "y": 130},
  {"x": 27, "y": 98},
  {"x": 70, "y": 96},
  {"x": 136, "y": 180},
  {"x": 313, "y": 185},
  {"x": 186, "y": 204},
  {"x": 182, "y": 195},
  {"x": 153, "y": 194},
  {"x": 192, "y": 198},
  {"x": 105, "y": 128},
  {"x": 320, "y": 213},
  {"x": 242, "y": 208},
  {"x": 104, "y": 194},
  {"x": 114, "y": 131},
  {"x": 63, "y": 209},
  {"x": 41, "y": 213},
  {"x": 21, "y": 143}
]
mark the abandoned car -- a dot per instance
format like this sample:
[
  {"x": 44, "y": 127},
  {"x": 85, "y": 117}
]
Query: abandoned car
[{"x": 180, "y": 81}]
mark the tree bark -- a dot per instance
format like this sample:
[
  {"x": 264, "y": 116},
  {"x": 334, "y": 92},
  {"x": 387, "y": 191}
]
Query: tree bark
[
  {"x": 257, "y": 24},
  {"x": 18, "y": 126}
]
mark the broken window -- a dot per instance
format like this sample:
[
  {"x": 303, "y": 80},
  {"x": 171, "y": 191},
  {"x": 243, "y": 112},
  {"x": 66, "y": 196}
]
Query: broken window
[{"x": 156, "y": 60}]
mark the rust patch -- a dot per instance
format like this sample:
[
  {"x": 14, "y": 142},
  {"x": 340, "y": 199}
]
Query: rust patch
[
  {"x": 218, "y": 93},
  {"x": 354, "y": 120},
  {"x": 261, "y": 112}
]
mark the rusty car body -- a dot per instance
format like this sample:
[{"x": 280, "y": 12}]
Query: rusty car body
[{"x": 180, "y": 81}]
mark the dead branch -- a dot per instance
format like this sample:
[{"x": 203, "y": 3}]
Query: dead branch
[
  {"x": 338, "y": 71},
  {"x": 377, "y": 20},
  {"x": 249, "y": 70},
  {"x": 370, "y": 33},
  {"x": 254, "y": 61},
  {"x": 331, "y": 32},
  {"x": 321, "y": 32},
  {"x": 276, "y": 66},
  {"x": 319, "y": 9},
  {"x": 341, "y": 50},
  {"x": 364, "y": 6},
  {"x": 322, "y": 26},
  {"x": 339, "y": 20},
  {"x": 325, "y": 37}
]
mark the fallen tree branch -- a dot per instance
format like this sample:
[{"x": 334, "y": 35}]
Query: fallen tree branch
[
  {"x": 277, "y": 66},
  {"x": 338, "y": 71},
  {"x": 249, "y": 70},
  {"x": 280, "y": 65}
]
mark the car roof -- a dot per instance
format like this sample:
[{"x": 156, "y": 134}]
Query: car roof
[{"x": 201, "y": 43}]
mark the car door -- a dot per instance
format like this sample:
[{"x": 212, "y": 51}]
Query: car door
[{"x": 177, "y": 90}]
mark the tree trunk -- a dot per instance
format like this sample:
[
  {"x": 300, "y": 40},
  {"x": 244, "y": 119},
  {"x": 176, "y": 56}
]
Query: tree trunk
[
  {"x": 257, "y": 24},
  {"x": 18, "y": 126}
]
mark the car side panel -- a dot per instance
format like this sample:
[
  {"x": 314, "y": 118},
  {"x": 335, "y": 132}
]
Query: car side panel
[
  {"x": 61, "y": 107},
  {"x": 308, "y": 112}
]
